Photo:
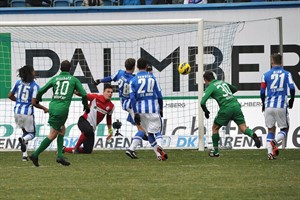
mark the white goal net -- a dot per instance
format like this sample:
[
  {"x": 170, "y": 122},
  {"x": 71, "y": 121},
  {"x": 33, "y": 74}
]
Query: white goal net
[{"x": 99, "y": 49}]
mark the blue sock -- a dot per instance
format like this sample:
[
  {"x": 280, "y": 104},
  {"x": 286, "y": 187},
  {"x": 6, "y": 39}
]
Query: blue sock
[
  {"x": 270, "y": 137},
  {"x": 151, "y": 139}
]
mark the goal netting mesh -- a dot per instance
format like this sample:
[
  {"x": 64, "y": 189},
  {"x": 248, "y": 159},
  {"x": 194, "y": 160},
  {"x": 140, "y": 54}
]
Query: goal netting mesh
[{"x": 100, "y": 50}]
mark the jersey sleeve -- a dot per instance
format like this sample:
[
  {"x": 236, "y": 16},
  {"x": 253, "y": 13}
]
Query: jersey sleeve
[
  {"x": 44, "y": 89},
  {"x": 14, "y": 89},
  {"x": 79, "y": 88},
  {"x": 206, "y": 95},
  {"x": 132, "y": 95},
  {"x": 35, "y": 90},
  {"x": 109, "y": 117},
  {"x": 291, "y": 82},
  {"x": 91, "y": 96},
  {"x": 232, "y": 88}
]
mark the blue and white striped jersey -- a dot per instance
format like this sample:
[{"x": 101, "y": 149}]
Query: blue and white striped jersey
[
  {"x": 276, "y": 81},
  {"x": 24, "y": 92},
  {"x": 145, "y": 93},
  {"x": 123, "y": 78}
]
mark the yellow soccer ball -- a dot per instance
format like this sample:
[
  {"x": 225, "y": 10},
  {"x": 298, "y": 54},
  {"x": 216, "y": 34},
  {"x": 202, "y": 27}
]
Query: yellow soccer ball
[{"x": 184, "y": 68}]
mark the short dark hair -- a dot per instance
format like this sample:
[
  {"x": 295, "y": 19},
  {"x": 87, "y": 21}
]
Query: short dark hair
[
  {"x": 26, "y": 73},
  {"x": 209, "y": 76},
  {"x": 129, "y": 63},
  {"x": 142, "y": 63},
  {"x": 65, "y": 66},
  {"x": 277, "y": 58},
  {"x": 107, "y": 86}
]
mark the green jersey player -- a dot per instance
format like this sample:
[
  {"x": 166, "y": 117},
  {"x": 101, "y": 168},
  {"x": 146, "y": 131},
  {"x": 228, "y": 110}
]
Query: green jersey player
[
  {"x": 63, "y": 86},
  {"x": 230, "y": 109}
]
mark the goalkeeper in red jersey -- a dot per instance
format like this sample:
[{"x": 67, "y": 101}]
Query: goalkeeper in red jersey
[
  {"x": 100, "y": 106},
  {"x": 230, "y": 109}
]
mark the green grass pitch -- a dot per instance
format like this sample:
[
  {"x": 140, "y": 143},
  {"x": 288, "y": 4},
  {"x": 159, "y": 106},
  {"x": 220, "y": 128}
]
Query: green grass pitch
[{"x": 187, "y": 174}]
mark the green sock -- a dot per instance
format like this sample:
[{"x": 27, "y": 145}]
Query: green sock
[
  {"x": 215, "y": 140},
  {"x": 45, "y": 143},
  {"x": 60, "y": 143},
  {"x": 249, "y": 132}
]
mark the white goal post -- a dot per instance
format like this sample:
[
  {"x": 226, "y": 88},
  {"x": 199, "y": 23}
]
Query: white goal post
[{"x": 99, "y": 48}]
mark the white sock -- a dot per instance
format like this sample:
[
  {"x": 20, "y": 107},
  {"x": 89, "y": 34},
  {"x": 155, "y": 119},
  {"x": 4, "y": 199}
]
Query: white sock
[
  {"x": 28, "y": 137},
  {"x": 25, "y": 153},
  {"x": 159, "y": 141},
  {"x": 134, "y": 144},
  {"x": 269, "y": 147},
  {"x": 155, "y": 150},
  {"x": 280, "y": 135}
]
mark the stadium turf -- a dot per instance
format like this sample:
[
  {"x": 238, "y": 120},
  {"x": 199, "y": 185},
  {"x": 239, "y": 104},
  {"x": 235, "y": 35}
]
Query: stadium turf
[{"x": 187, "y": 174}]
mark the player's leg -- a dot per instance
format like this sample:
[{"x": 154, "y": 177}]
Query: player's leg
[
  {"x": 60, "y": 141},
  {"x": 239, "y": 119},
  {"x": 88, "y": 145},
  {"x": 137, "y": 139},
  {"x": 86, "y": 131},
  {"x": 215, "y": 140},
  {"x": 222, "y": 119},
  {"x": 282, "y": 119},
  {"x": 130, "y": 118},
  {"x": 154, "y": 126},
  {"x": 270, "y": 122},
  {"x": 28, "y": 134},
  {"x": 43, "y": 146}
]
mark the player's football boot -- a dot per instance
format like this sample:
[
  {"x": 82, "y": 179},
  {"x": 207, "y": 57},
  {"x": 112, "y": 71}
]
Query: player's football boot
[
  {"x": 63, "y": 161},
  {"x": 23, "y": 145},
  {"x": 25, "y": 158},
  {"x": 162, "y": 153},
  {"x": 271, "y": 157},
  {"x": 131, "y": 154},
  {"x": 256, "y": 140},
  {"x": 275, "y": 148},
  {"x": 35, "y": 160},
  {"x": 213, "y": 154}
]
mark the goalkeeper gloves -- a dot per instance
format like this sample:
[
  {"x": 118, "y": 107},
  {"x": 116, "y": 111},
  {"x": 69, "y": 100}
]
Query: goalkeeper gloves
[
  {"x": 137, "y": 119},
  {"x": 291, "y": 103},
  {"x": 96, "y": 82},
  {"x": 207, "y": 114},
  {"x": 110, "y": 134}
]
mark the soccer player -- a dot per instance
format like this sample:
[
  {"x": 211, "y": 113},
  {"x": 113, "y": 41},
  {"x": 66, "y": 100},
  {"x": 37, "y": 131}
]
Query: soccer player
[
  {"x": 63, "y": 86},
  {"x": 100, "y": 106},
  {"x": 24, "y": 94},
  {"x": 123, "y": 78},
  {"x": 276, "y": 81},
  {"x": 147, "y": 104},
  {"x": 230, "y": 109}
]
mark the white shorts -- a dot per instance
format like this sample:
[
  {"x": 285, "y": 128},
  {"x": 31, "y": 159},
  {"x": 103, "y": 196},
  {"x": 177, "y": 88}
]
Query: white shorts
[
  {"x": 151, "y": 122},
  {"x": 26, "y": 122},
  {"x": 277, "y": 115}
]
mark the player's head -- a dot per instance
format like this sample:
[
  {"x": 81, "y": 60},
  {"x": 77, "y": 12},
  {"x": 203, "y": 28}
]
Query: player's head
[
  {"x": 149, "y": 68},
  {"x": 142, "y": 64},
  {"x": 65, "y": 66},
  {"x": 276, "y": 59},
  {"x": 208, "y": 76},
  {"x": 130, "y": 64},
  {"x": 26, "y": 73},
  {"x": 107, "y": 91}
]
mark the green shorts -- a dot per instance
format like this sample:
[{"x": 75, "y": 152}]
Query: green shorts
[
  {"x": 230, "y": 113},
  {"x": 57, "y": 121}
]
